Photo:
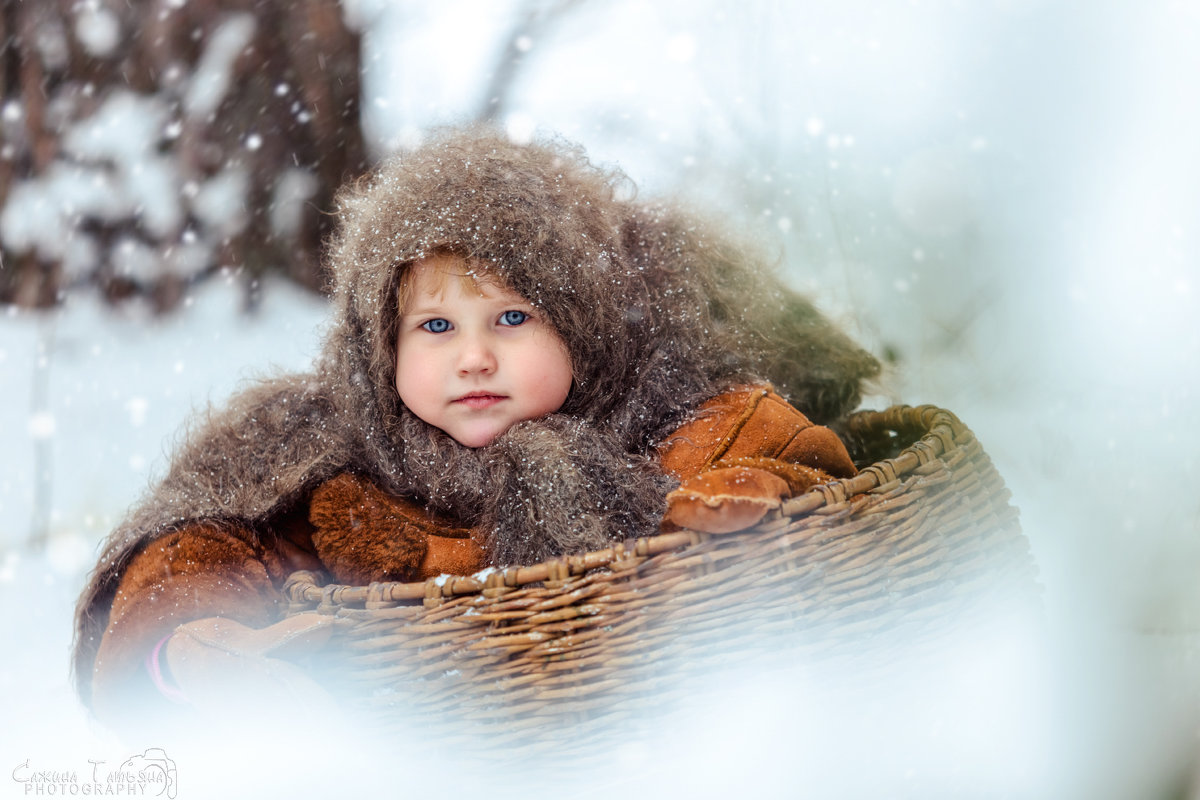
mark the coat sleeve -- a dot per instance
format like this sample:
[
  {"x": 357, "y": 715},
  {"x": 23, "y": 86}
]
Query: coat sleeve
[
  {"x": 205, "y": 569},
  {"x": 741, "y": 455}
]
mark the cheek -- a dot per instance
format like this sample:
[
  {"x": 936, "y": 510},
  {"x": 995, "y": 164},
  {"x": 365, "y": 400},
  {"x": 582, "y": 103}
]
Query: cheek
[
  {"x": 411, "y": 375},
  {"x": 556, "y": 377}
]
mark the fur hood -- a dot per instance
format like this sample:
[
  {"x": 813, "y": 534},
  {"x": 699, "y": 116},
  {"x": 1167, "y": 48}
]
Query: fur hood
[{"x": 658, "y": 314}]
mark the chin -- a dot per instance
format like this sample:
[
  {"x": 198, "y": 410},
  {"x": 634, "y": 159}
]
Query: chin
[{"x": 476, "y": 439}]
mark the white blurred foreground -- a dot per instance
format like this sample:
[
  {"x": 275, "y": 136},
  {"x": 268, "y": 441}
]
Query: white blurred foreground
[{"x": 998, "y": 714}]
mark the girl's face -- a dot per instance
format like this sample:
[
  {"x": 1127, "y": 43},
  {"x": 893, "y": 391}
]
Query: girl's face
[{"x": 475, "y": 360}]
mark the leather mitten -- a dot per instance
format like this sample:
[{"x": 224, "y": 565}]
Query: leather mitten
[
  {"x": 363, "y": 534},
  {"x": 203, "y": 570},
  {"x": 741, "y": 455}
]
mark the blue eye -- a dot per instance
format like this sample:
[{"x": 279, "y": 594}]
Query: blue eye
[
  {"x": 438, "y": 325},
  {"x": 513, "y": 317}
]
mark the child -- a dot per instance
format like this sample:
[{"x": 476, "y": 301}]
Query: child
[{"x": 521, "y": 366}]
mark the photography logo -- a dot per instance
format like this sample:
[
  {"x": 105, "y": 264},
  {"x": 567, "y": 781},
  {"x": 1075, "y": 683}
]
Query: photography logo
[{"x": 148, "y": 774}]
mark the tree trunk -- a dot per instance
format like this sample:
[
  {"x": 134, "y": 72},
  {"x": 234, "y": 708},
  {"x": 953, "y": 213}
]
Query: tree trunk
[{"x": 148, "y": 144}]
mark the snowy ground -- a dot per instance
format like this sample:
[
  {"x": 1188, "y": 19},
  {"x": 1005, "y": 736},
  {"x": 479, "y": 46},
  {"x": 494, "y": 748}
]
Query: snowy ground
[{"x": 118, "y": 388}]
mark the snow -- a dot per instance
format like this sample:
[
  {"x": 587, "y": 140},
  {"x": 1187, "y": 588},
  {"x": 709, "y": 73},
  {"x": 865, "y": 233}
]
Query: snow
[
  {"x": 109, "y": 170},
  {"x": 38, "y": 212},
  {"x": 681, "y": 48},
  {"x": 98, "y": 29},
  {"x": 291, "y": 192},
  {"x": 119, "y": 386},
  {"x": 210, "y": 82},
  {"x": 519, "y": 126},
  {"x": 134, "y": 259},
  {"x": 41, "y": 425},
  {"x": 219, "y": 202},
  {"x": 124, "y": 129},
  {"x": 1011, "y": 212}
]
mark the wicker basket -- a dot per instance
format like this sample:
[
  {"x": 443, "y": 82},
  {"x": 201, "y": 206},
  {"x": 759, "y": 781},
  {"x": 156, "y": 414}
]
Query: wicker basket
[{"x": 905, "y": 550}]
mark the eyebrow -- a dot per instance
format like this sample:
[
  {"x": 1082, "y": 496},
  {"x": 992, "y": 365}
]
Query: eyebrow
[
  {"x": 423, "y": 311},
  {"x": 424, "y": 307}
]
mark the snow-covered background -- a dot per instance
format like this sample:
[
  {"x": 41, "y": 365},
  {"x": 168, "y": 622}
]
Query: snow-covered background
[{"x": 1003, "y": 196}]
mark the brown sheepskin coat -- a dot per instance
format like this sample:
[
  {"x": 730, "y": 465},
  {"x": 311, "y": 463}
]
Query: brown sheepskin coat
[{"x": 657, "y": 312}]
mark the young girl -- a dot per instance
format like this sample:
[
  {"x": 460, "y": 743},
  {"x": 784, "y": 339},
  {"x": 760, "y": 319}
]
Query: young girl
[{"x": 521, "y": 365}]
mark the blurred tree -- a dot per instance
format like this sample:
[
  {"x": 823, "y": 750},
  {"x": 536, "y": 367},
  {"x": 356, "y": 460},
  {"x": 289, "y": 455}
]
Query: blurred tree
[
  {"x": 531, "y": 20},
  {"x": 148, "y": 144}
]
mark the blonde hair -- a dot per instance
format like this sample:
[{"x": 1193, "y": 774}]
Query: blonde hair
[{"x": 475, "y": 275}]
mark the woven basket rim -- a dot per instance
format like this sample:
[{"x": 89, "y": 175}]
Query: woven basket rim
[{"x": 942, "y": 428}]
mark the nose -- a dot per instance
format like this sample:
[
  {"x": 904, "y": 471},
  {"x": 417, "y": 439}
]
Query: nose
[{"x": 476, "y": 356}]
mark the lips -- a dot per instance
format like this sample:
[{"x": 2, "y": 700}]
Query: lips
[{"x": 478, "y": 400}]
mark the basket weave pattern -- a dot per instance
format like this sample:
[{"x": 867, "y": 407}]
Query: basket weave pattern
[{"x": 923, "y": 532}]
